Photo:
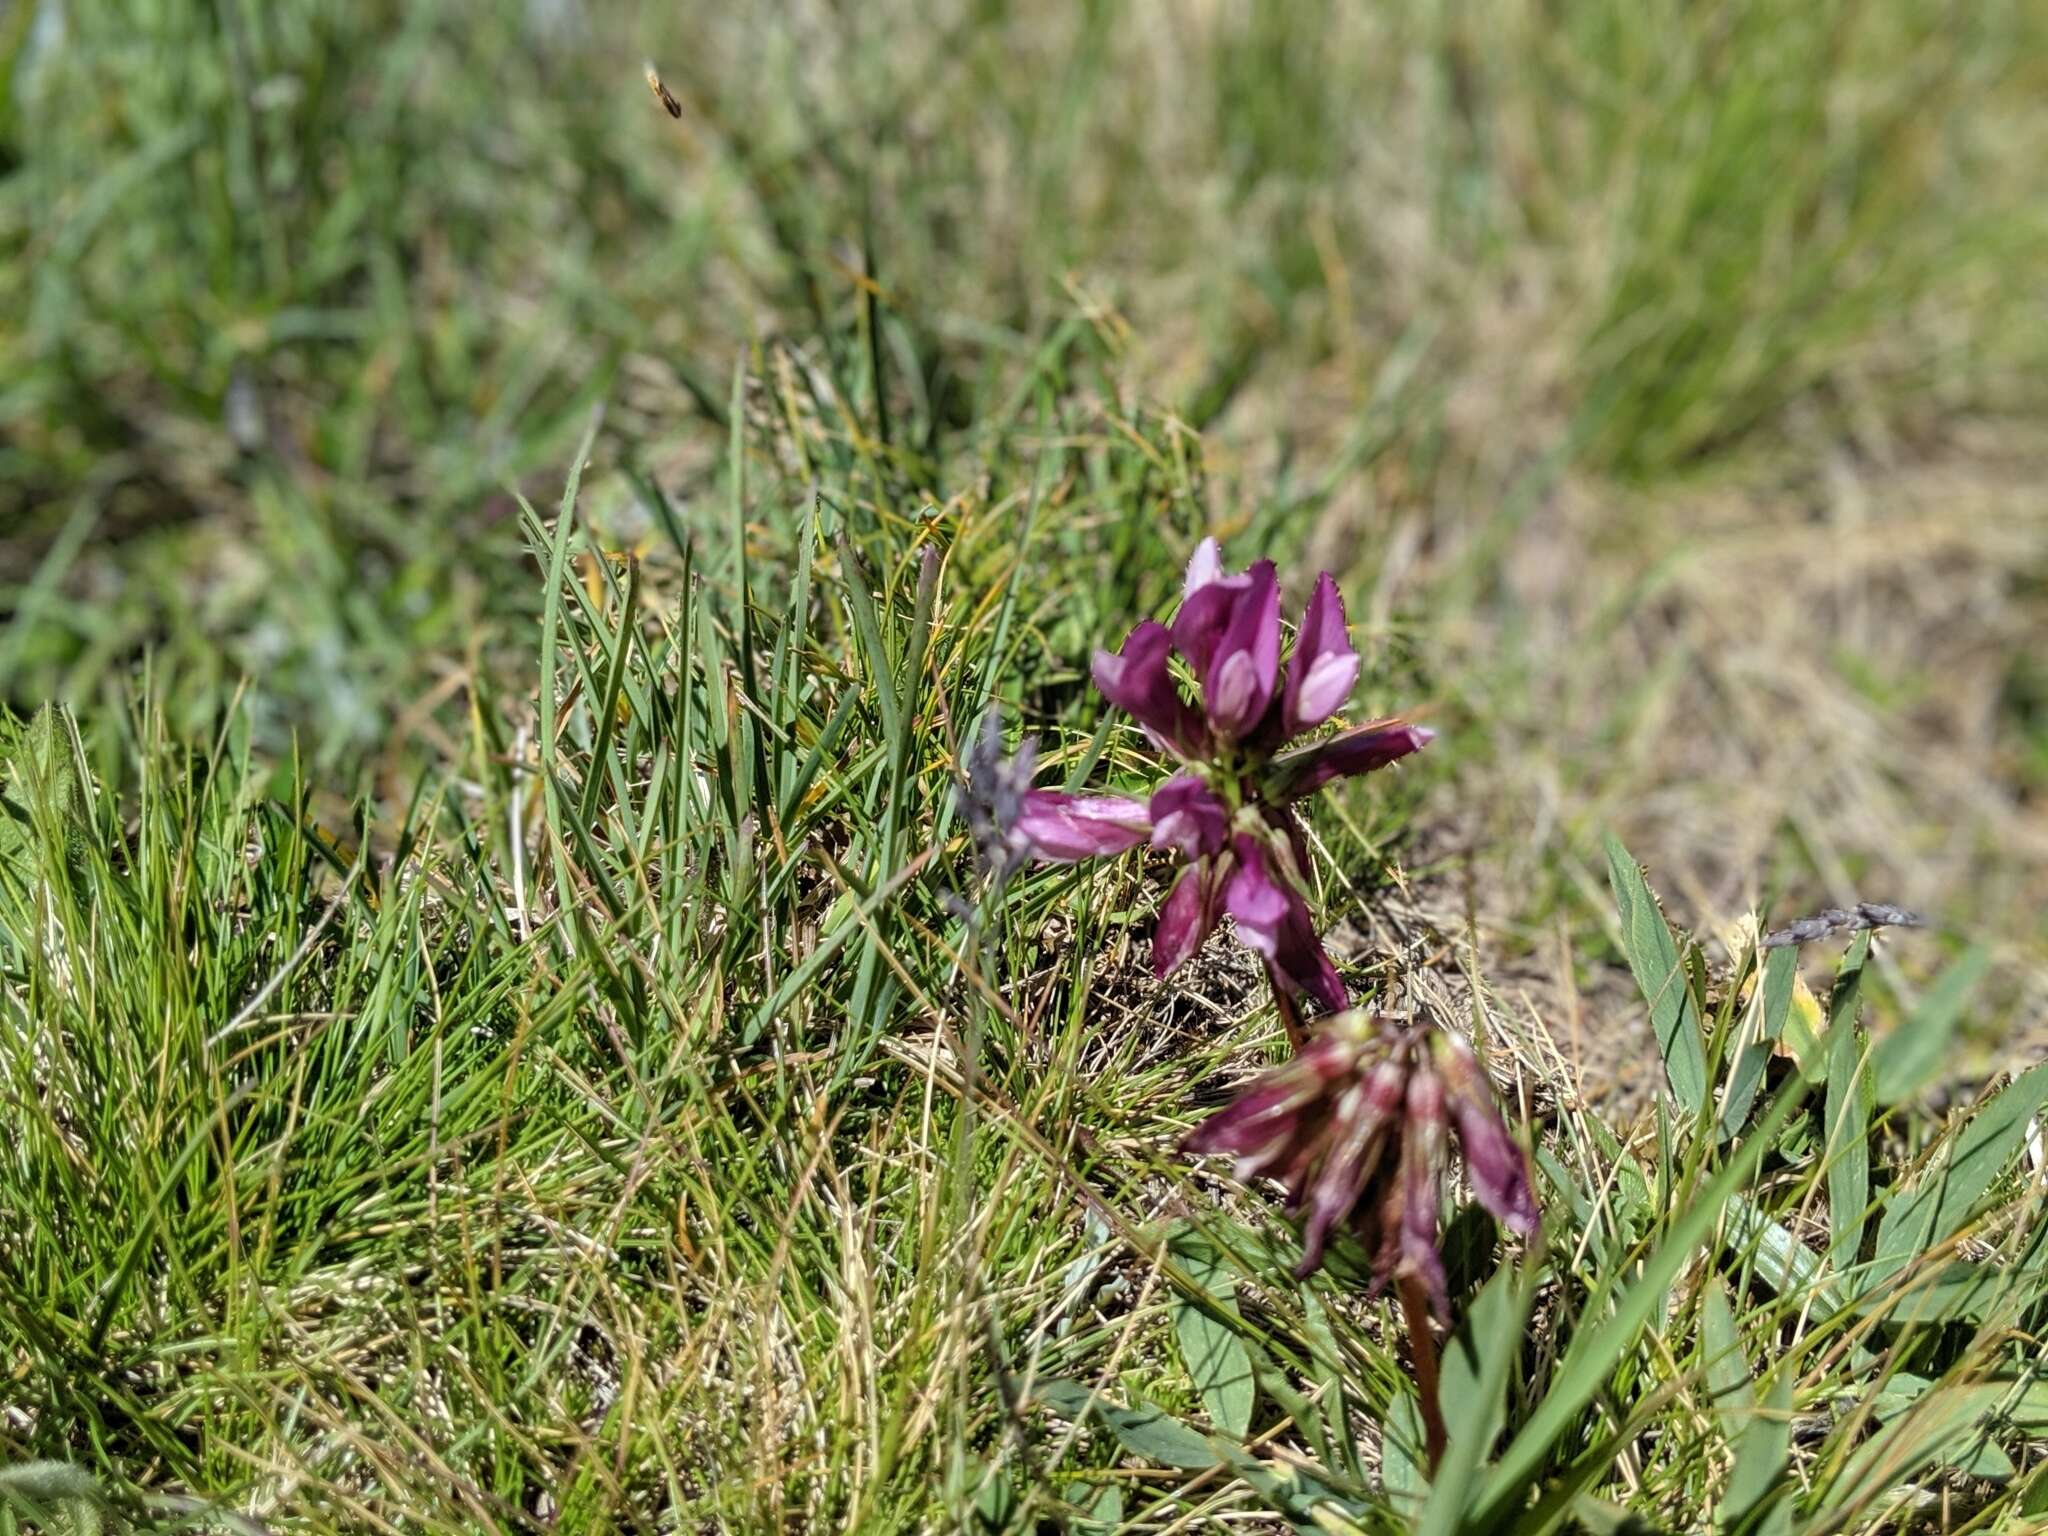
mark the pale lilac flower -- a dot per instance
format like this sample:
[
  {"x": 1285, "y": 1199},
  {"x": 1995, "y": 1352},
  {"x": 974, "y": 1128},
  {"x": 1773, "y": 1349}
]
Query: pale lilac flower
[
  {"x": 1224, "y": 810},
  {"x": 1357, "y": 1129}
]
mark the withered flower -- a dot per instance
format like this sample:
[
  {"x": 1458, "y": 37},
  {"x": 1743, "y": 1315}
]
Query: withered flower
[{"x": 1358, "y": 1129}]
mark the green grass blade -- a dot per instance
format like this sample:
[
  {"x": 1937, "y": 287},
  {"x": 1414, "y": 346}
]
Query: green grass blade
[
  {"x": 1941, "y": 1198},
  {"x": 1594, "y": 1352}
]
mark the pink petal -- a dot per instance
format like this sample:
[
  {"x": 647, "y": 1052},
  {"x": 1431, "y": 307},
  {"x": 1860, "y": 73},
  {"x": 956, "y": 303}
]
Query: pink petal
[
  {"x": 1364, "y": 1116},
  {"x": 1238, "y": 680},
  {"x": 1499, "y": 1167},
  {"x": 1199, "y": 625},
  {"x": 1063, "y": 827},
  {"x": 1204, "y": 566},
  {"x": 1272, "y": 918},
  {"x": 1421, "y": 1190}
]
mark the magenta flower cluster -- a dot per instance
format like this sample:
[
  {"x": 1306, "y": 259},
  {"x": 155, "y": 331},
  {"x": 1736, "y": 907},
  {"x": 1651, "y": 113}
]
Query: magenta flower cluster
[
  {"x": 1227, "y": 809},
  {"x": 1356, "y": 1129}
]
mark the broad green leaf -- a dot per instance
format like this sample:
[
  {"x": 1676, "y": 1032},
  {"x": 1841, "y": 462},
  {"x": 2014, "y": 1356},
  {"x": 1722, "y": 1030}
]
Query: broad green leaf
[
  {"x": 1911, "y": 1056},
  {"x": 1942, "y": 1196},
  {"x": 1726, "y": 1368},
  {"x": 1102, "y": 1506},
  {"x": 1756, "y": 1481},
  {"x": 1474, "y": 1376},
  {"x": 2018, "y": 1401},
  {"x": 1801, "y": 1034},
  {"x": 1292, "y": 1491},
  {"x": 1747, "y": 1073},
  {"x": 996, "y": 1506},
  {"x": 1849, "y": 1106},
  {"x": 1660, "y": 973},
  {"x": 1955, "y": 1292},
  {"x": 1145, "y": 1430},
  {"x": 1945, "y": 1425},
  {"x": 1216, "y": 1358},
  {"x": 1783, "y": 1262},
  {"x": 1328, "y": 1518},
  {"x": 1846, "y": 996},
  {"x": 1403, "y": 1461},
  {"x": 1490, "y": 1323},
  {"x": 1600, "y": 1517},
  {"x": 2035, "y": 1500}
]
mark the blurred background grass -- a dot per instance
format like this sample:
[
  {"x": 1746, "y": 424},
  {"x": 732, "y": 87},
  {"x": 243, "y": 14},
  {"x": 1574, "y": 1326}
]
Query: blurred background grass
[{"x": 1667, "y": 378}]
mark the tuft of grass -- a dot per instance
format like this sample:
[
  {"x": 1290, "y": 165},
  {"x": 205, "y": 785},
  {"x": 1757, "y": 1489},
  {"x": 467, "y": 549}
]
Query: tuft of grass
[{"x": 657, "y": 1125}]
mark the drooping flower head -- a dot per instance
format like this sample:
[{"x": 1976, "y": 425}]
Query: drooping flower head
[
  {"x": 1226, "y": 808},
  {"x": 1357, "y": 1128}
]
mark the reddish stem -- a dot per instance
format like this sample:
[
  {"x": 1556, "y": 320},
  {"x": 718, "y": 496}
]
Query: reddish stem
[
  {"x": 1422, "y": 1344},
  {"x": 1290, "y": 1017}
]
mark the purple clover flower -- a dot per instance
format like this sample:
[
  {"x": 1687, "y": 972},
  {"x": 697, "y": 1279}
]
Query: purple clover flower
[
  {"x": 1357, "y": 1129},
  {"x": 1226, "y": 810}
]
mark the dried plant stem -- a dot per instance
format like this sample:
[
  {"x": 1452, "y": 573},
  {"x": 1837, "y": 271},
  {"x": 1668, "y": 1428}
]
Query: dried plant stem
[{"x": 1422, "y": 1344}]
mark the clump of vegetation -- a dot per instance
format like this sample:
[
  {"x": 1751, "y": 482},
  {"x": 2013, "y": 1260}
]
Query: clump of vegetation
[{"x": 519, "y": 1019}]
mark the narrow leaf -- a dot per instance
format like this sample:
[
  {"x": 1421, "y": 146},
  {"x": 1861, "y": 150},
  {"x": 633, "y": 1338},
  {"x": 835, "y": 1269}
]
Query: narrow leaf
[
  {"x": 1145, "y": 1430},
  {"x": 1942, "y": 1197},
  {"x": 1660, "y": 973},
  {"x": 1849, "y": 1106},
  {"x": 1747, "y": 1074},
  {"x": 1595, "y": 1351},
  {"x": 1911, "y": 1056},
  {"x": 1946, "y": 1426},
  {"x": 1482, "y": 1355},
  {"x": 1216, "y": 1358},
  {"x": 1762, "y": 1451},
  {"x": 1726, "y": 1368}
]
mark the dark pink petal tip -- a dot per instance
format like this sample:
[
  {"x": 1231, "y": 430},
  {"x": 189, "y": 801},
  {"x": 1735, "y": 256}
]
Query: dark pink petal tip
[
  {"x": 1185, "y": 919},
  {"x": 1324, "y": 666},
  {"x": 1054, "y": 824},
  {"x": 1499, "y": 1168},
  {"x": 1356, "y": 751},
  {"x": 1139, "y": 681},
  {"x": 1272, "y": 918},
  {"x": 1189, "y": 816},
  {"x": 1495, "y": 1160}
]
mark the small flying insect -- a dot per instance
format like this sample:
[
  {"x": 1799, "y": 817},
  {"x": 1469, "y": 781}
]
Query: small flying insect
[{"x": 662, "y": 93}]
